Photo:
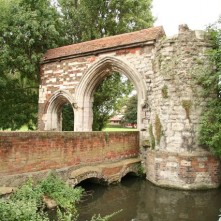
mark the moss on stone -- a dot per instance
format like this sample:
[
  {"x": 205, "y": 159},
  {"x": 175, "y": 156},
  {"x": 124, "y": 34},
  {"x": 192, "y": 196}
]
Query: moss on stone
[
  {"x": 152, "y": 138},
  {"x": 158, "y": 129},
  {"x": 164, "y": 91},
  {"x": 186, "y": 104}
]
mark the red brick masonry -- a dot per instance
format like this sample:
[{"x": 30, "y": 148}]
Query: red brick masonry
[
  {"x": 24, "y": 152},
  {"x": 194, "y": 170}
]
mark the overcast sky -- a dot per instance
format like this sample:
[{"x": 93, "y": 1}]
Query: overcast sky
[{"x": 197, "y": 14}]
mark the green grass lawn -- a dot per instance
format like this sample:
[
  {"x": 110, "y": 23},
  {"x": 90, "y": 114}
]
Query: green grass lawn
[
  {"x": 23, "y": 128},
  {"x": 108, "y": 128},
  {"x": 118, "y": 128}
]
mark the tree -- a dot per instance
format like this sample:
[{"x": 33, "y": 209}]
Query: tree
[
  {"x": 87, "y": 20},
  {"x": 130, "y": 114},
  {"x": 210, "y": 130},
  {"x": 67, "y": 118},
  {"x": 27, "y": 30},
  {"x": 108, "y": 98}
]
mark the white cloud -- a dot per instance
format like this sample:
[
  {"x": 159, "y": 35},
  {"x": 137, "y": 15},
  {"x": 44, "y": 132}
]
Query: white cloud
[{"x": 197, "y": 14}]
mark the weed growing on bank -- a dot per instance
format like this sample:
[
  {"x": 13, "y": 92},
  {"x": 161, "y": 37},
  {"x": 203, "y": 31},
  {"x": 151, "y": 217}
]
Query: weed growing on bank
[{"x": 28, "y": 202}]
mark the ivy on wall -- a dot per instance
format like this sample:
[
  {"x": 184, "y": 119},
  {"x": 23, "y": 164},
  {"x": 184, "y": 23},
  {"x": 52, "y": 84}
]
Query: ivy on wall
[{"x": 210, "y": 129}]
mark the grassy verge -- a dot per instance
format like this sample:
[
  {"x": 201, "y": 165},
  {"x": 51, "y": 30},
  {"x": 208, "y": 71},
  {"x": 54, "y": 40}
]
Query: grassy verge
[{"x": 118, "y": 128}]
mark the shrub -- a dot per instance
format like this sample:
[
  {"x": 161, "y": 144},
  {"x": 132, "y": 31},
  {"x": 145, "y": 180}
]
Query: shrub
[{"x": 210, "y": 130}]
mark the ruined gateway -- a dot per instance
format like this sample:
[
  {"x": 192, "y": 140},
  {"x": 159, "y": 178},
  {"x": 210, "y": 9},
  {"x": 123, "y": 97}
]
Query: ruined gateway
[{"x": 169, "y": 106}]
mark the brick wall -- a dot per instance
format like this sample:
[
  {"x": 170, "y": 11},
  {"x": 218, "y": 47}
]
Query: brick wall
[
  {"x": 196, "y": 170},
  {"x": 25, "y": 152}
]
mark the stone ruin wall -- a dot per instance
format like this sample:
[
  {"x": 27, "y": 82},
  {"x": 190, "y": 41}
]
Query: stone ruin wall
[
  {"x": 65, "y": 75},
  {"x": 170, "y": 112},
  {"x": 176, "y": 104}
]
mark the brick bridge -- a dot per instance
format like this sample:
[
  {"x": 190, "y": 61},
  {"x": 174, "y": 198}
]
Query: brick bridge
[
  {"x": 75, "y": 156},
  {"x": 168, "y": 111}
]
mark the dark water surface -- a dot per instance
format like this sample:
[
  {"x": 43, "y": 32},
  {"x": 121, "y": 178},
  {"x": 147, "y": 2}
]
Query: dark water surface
[{"x": 142, "y": 201}]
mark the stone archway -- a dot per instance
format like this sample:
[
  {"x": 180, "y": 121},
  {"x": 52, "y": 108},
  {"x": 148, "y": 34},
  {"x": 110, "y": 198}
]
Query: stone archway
[
  {"x": 53, "y": 109},
  {"x": 91, "y": 79}
]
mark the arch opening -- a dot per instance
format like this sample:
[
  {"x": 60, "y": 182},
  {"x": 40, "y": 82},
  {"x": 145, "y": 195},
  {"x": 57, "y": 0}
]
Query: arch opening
[
  {"x": 67, "y": 117},
  {"x": 87, "y": 183},
  {"x": 111, "y": 101},
  {"x": 93, "y": 77},
  {"x": 129, "y": 175},
  {"x": 60, "y": 112}
]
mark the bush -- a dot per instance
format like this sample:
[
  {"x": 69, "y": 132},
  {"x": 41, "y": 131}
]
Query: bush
[
  {"x": 210, "y": 130},
  {"x": 26, "y": 204}
]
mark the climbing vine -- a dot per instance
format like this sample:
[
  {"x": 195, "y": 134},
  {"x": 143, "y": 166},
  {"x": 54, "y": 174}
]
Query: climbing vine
[{"x": 210, "y": 129}]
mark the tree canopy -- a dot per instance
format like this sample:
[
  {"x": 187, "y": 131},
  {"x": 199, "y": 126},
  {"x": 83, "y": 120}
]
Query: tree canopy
[
  {"x": 108, "y": 98},
  {"x": 130, "y": 114},
  {"x": 87, "y": 20},
  {"x": 27, "y": 30}
]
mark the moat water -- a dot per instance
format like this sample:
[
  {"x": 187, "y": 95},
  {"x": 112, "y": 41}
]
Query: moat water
[{"x": 142, "y": 201}]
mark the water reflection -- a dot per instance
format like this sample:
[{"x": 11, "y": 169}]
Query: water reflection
[{"x": 142, "y": 201}]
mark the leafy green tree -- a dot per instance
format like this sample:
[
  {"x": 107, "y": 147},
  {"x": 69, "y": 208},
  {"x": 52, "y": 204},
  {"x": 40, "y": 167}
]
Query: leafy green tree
[
  {"x": 87, "y": 20},
  {"x": 27, "y": 30},
  {"x": 130, "y": 114},
  {"x": 67, "y": 118},
  {"x": 108, "y": 97},
  {"x": 210, "y": 130}
]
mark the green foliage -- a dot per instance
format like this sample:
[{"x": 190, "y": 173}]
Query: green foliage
[
  {"x": 67, "y": 118},
  {"x": 210, "y": 130},
  {"x": 141, "y": 171},
  {"x": 130, "y": 114},
  {"x": 105, "y": 218},
  {"x": 27, "y": 30},
  {"x": 19, "y": 98},
  {"x": 107, "y": 97},
  {"x": 28, "y": 192},
  {"x": 27, "y": 204},
  {"x": 21, "y": 210},
  {"x": 64, "y": 195},
  {"x": 86, "y": 19}
]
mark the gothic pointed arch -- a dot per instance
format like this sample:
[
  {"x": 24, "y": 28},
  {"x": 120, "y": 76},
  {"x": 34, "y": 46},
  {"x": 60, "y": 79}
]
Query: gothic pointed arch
[
  {"x": 54, "y": 107},
  {"x": 92, "y": 78}
]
